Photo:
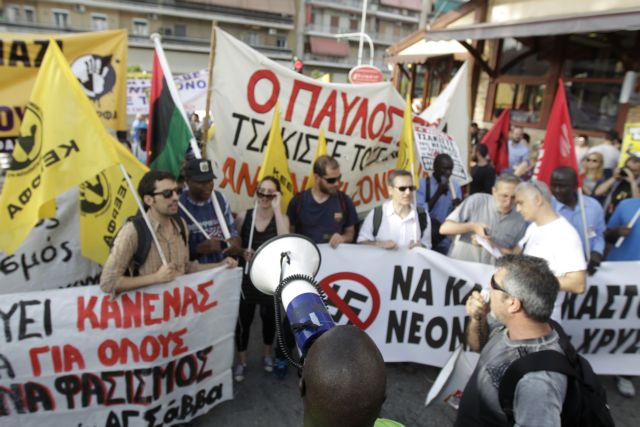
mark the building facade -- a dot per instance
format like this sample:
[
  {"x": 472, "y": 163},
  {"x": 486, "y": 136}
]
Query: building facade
[{"x": 521, "y": 50}]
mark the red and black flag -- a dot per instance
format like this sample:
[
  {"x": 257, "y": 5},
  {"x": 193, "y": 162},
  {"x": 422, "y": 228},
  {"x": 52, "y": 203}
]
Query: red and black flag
[{"x": 169, "y": 133}]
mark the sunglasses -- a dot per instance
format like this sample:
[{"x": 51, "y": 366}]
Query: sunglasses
[
  {"x": 168, "y": 193},
  {"x": 266, "y": 195},
  {"x": 404, "y": 188},
  {"x": 332, "y": 180},
  {"x": 593, "y": 160},
  {"x": 495, "y": 286}
]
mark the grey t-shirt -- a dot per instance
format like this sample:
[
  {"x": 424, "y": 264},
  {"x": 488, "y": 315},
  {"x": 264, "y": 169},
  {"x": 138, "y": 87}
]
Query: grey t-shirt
[
  {"x": 505, "y": 230},
  {"x": 539, "y": 395}
]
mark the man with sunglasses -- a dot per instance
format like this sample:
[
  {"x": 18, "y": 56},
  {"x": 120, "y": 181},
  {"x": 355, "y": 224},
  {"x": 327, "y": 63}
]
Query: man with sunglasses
[
  {"x": 513, "y": 324},
  {"x": 159, "y": 193},
  {"x": 399, "y": 225},
  {"x": 198, "y": 201},
  {"x": 324, "y": 213}
]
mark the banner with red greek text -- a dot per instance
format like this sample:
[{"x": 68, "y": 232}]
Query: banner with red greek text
[
  {"x": 149, "y": 357},
  {"x": 411, "y": 302},
  {"x": 362, "y": 124}
]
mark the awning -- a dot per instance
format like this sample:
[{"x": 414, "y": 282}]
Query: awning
[
  {"x": 422, "y": 50},
  {"x": 403, "y": 4},
  {"x": 618, "y": 20},
  {"x": 328, "y": 47}
]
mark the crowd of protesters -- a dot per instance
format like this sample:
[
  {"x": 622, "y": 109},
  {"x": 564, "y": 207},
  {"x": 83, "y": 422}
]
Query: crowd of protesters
[{"x": 502, "y": 214}]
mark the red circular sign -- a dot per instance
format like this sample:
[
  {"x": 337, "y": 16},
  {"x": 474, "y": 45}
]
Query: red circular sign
[
  {"x": 365, "y": 74},
  {"x": 343, "y": 306}
]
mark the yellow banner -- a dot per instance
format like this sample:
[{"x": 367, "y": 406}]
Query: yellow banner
[
  {"x": 106, "y": 201},
  {"x": 98, "y": 61},
  {"x": 630, "y": 142},
  {"x": 62, "y": 143}
]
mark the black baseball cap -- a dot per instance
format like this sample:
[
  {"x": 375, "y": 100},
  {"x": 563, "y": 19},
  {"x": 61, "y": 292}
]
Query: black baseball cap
[{"x": 198, "y": 170}]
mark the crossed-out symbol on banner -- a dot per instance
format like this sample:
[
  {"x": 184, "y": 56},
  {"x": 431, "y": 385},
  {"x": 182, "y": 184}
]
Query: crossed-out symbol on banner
[{"x": 344, "y": 308}]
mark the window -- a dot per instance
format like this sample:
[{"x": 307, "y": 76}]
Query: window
[
  {"x": 535, "y": 64},
  {"x": 593, "y": 106},
  {"x": 281, "y": 42},
  {"x": 335, "y": 22},
  {"x": 60, "y": 18},
  {"x": 29, "y": 14},
  {"x": 598, "y": 55},
  {"x": 524, "y": 100},
  {"x": 99, "y": 22},
  {"x": 250, "y": 38},
  {"x": 140, "y": 27},
  {"x": 13, "y": 13},
  {"x": 180, "y": 30}
]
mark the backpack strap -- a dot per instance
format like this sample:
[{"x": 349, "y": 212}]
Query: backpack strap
[
  {"x": 427, "y": 191},
  {"x": 343, "y": 205},
  {"x": 423, "y": 220},
  {"x": 545, "y": 360},
  {"x": 144, "y": 244},
  {"x": 377, "y": 220},
  {"x": 297, "y": 199}
]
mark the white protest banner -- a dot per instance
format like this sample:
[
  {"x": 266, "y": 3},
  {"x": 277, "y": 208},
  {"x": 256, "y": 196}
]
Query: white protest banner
[
  {"x": 430, "y": 142},
  {"x": 411, "y": 302},
  {"x": 450, "y": 112},
  {"x": 192, "y": 90},
  {"x": 362, "y": 125},
  {"x": 149, "y": 357},
  {"x": 50, "y": 256}
]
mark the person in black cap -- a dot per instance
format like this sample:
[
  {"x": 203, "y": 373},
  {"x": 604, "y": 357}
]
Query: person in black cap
[{"x": 197, "y": 199}]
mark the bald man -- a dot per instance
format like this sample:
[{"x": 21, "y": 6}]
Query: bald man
[
  {"x": 552, "y": 238},
  {"x": 343, "y": 380}
]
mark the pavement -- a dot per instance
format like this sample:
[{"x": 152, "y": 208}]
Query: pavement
[{"x": 262, "y": 400}]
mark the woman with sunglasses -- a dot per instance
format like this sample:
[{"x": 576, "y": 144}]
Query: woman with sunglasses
[
  {"x": 269, "y": 222},
  {"x": 593, "y": 173}
]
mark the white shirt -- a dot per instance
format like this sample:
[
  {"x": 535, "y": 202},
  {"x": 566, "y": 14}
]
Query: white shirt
[
  {"x": 559, "y": 244},
  {"x": 610, "y": 155},
  {"x": 401, "y": 230}
]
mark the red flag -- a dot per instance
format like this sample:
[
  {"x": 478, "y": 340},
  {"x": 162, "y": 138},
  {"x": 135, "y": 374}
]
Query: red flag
[
  {"x": 557, "y": 149},
  {"x": 497, "y": 141}
]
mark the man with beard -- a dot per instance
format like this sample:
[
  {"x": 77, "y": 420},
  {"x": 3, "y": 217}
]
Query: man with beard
[
  {"x": 564, "y": 187},
  {"x": 324, "y": 213},
  {"x": 159, "y": 192}
]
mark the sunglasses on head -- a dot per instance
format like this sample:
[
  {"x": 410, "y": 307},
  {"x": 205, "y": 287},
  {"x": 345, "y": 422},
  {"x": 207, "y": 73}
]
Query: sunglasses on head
[
  {"x": 332, "y": 180},
  {"x": 266, "y": 195},
  {"x": 168, "y": 193},
  {"x": 495, "y": 286},
  {"x": 404, "y": 188}
]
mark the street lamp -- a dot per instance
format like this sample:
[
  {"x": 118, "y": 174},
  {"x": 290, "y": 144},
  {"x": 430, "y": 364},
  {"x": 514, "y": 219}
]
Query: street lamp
[{"x": 361, "y": 35}]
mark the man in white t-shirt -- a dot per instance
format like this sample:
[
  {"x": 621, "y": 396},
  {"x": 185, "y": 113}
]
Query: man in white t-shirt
[
  {"x": 400, "y": 224},
  {"x": 552, "y": 238}
]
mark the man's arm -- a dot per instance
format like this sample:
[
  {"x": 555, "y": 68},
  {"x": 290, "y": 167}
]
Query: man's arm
[
  {"x": 478, "y": 329},
  {"x": 574, "y": 281},
  {"x": 538, "y": 399},
  {"x": 450, "y": 228},
  {"x": 346, "y": 237}
]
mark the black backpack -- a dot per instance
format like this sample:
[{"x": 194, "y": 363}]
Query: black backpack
[
  {"x": 145, "y": 239},
  {"x": 377, "y": 220},
  {"x": 585, "y": 403}
]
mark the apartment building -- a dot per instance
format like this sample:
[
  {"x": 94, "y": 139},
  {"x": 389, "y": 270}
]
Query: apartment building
[{"x": 185, "y": 26}]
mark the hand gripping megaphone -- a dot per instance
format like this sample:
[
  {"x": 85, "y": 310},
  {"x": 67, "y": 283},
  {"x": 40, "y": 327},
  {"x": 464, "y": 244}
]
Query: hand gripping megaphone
[{"x": 286, "y": 266}]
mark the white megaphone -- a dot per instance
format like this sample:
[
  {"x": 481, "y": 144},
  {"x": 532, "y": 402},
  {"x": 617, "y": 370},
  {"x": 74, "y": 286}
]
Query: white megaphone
[{"x": 289, "y": 264}]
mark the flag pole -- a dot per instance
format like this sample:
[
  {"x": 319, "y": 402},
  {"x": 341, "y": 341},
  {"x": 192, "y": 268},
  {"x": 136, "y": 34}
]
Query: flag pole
[
  {"x": 629, "y": 225},
  {"x": 193, "y": 220},
  {"x": 143, "y": 213},
  {"x": 212, "y": 58},
  {"x": 253, "y": 224},
  {"x": 583, "y": 215},
  {"x": 155, "y": 37}
]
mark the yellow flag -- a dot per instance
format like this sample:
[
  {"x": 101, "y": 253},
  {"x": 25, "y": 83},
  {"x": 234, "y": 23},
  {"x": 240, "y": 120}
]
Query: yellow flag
[
  {"x": 275, "y": 161},
  {"x": 106, "y": 201},
  {"x": 62, "y": 143},
  {"x": 321, "y": 150},
  {"x": 406, "y": 149}
]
